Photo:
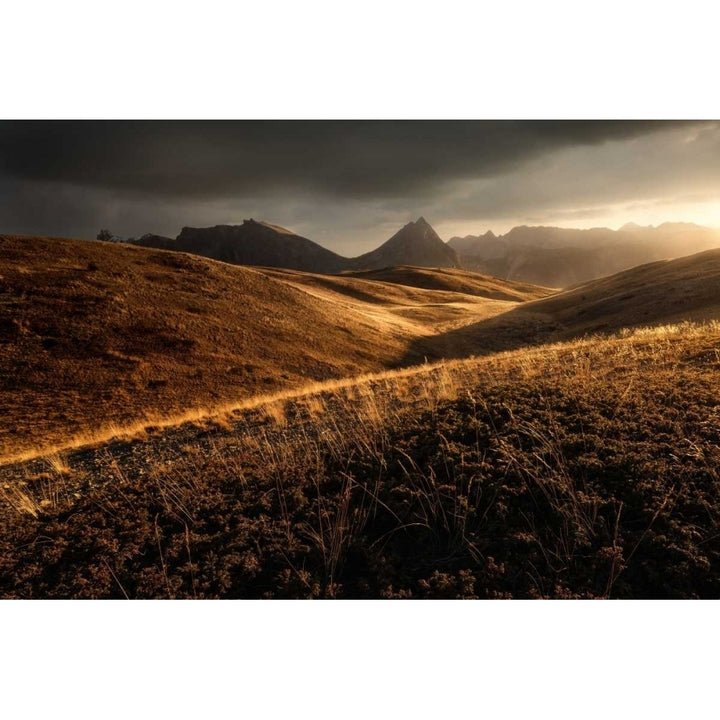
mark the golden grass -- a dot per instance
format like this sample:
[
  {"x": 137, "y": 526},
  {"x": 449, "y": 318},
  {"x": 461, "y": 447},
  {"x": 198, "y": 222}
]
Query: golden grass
[
  {"x": 415, "y": 460},
  {"x": 373, "y": 397},
  {"x": 69, "y": 380},
  {"x": 98, "y": 333},
  {"x": 454, "y": 280}
]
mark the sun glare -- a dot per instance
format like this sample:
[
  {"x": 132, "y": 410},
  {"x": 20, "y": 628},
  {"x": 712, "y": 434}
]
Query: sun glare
[{"x": 654, "y": 212}]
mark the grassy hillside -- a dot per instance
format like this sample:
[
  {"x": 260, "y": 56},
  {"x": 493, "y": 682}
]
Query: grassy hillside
[
  {"x": 667, "y": 291},
  {"x": 410, "y": 302},
  {"x": 576, "y": 456},
  {"x": 454, "y": 280},
  {"x": 94, "y": 332},
  {"x": 582, "y": 469},
  {"x": 98, "y": 335},
  {"x": 663, "y": 292}
]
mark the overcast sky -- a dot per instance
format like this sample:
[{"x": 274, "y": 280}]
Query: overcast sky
[{"x": 350, "y": 185}]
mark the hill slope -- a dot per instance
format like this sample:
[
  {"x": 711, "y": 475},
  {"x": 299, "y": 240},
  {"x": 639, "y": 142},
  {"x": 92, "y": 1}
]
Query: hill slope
[
  {"x": 586, "y": 469},
  {"x": 95, "y": 333},
  {"x": 663, "y": 292},
  {"x": 454, "y": 280},
  {"x": 666, "y": 291},
  {"x": 92, "y": 332}
]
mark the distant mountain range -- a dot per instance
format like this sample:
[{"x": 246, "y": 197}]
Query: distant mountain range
[
  {"x": 263, "y": 244},
  {"x": 561, "y": 257},
  {"x": 548, "y": 256}
]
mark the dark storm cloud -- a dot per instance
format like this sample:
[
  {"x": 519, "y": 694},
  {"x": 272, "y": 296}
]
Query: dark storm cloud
[
  {"x": 348, "y": 185},
  {"x": 216, "y": 159}
]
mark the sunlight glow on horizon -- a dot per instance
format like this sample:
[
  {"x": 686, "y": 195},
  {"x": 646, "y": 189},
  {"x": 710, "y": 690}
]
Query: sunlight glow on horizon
[{"x": 655, "y": 213}]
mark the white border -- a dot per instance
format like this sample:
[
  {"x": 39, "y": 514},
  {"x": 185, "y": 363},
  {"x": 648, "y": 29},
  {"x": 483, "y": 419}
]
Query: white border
[{"x": 372, "y": 60}]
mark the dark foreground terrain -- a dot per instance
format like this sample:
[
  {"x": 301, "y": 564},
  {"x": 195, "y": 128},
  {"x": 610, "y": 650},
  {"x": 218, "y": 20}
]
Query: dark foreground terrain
[{"x": 587, "y": 469}]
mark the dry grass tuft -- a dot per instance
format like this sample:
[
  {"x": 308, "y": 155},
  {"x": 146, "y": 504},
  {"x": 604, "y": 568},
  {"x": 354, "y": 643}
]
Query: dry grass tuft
[{"x": 58, "y": 464}]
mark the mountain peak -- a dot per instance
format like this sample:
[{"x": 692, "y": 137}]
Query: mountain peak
[
  {"x": 252, "y": 223},
  {"x": 416, "y": 243},
  {"x": 420, "y": 230},
  {"x": 257, "y": 242}
]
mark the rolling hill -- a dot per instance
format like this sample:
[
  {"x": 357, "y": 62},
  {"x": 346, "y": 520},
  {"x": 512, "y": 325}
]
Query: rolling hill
[
  {"x": 660, "y": 293},
  {"x": 666, "y": 291},
  {"x": 173, "y": 426},
  {"x": 453, "y": 280},
  {"x": 96, "y": 334},
  {"x": 586, "y": 469}
]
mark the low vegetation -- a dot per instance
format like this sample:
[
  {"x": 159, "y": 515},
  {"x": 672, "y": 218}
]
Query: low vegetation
[
  {"x": 586, "y": 468},
  {"x": 96, "y": 335}
]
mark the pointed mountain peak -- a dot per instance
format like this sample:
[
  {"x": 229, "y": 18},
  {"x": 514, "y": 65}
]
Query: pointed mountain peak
[
  {"x": 416, "y": 243},
  {"x": 420, "y": 230}
]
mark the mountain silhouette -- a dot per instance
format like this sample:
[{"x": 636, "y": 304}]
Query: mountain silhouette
[
  {"x": 252, "y": 243},
  {"x": 487, "y": 245},
  {"x": 562, "y": 257},
  {"x": 546, "y": 256},
  {"x": 264, "y": 244},
  {"x": 416, "y": 244}
]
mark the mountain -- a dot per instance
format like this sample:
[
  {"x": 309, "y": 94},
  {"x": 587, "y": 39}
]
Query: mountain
[
  {"x": 561, "y": 257},
  {"x": 252, "y": 243},
  {"x": 545, "y": 256},
  {"x": 672, "y": 239},
  {"x": 490, "y": 246},
  {"x": 263, "y": 244},
  {"x": 414, "y": 244},
  {"x": 159, "y": 242},
  {"x": 487, "y": 245},
  {"x": 560, "y": 267}
]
